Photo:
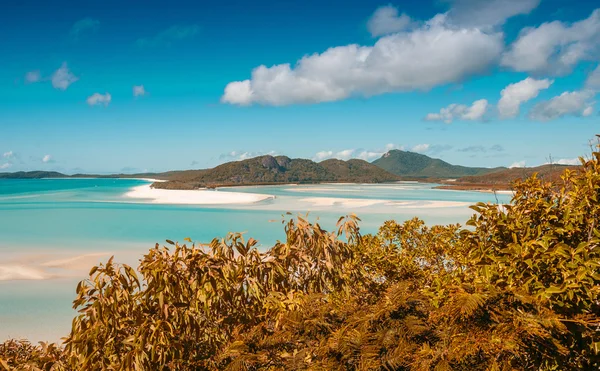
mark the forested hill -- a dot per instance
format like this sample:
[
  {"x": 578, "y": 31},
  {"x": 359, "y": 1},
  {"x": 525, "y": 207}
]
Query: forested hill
[
  {"x": 33, "y": 175},
  {"x": 279, "y": 170},
  {"x": 410, "y": 164}
]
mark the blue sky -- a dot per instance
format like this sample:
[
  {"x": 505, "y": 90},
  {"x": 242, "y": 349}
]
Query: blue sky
[{"x": 155, "y": 85}]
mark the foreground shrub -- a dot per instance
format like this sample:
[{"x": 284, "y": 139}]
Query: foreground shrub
[{"x": 517, "y": 289}]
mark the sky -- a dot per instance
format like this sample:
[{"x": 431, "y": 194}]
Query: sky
[{"x": 147, "y": 86}]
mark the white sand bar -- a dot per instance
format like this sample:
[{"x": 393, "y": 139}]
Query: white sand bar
[
  {"x": 356, "y": 203},
  {"x": 194, "y": 197}
]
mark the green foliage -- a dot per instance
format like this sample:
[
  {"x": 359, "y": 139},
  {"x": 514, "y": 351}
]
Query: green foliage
[
  {"x": 277, "y": 170},
  {"x": 516, "y": 290}
]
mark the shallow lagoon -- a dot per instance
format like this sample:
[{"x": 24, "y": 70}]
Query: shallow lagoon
[{"x": 53, "y": 230}]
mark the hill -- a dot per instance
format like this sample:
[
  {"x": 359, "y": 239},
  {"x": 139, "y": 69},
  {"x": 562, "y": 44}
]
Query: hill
[
  {"x": 504, "y": 178},
  {"x": 278, "y": 170},
  {"x": 410, "y": 164},
  {"x": 32, "y": 175}
]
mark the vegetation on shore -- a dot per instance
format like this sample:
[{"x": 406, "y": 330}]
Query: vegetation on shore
[
  {"x": 410, "y": 164},
  {"x": 517, "y": 290},
  {"x": 279, "y": 170},
  {"x": 503, "y": 179}
]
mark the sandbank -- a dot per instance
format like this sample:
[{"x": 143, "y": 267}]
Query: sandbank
[{"x": 194, "y": 197}]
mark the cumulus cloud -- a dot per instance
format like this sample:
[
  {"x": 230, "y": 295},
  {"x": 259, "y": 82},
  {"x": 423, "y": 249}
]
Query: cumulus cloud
[
  {"x": 576, "y": 103},
  {"x": 420, "y": 148},
  {"x": 360, "y": 153},
  {"x": 62, "y": 78},
  {"x": 5, "y": 165},
  {"x": 487, "y": 13},
  {"x": 139, "y": 91},
  {"x": 459, "y": 111},
  {"x": 386, "y": 20},
  {"x": 33, "y": 77},
  {"x": 345, "y": 154},
  {"x": 322, "y": 155},
  {"x": 429, "y": 56},
  {"x": 97, "y": 99},
  {"x": 517, "y": 164},
  {"x": 168, "y": 36},
  {"x": 47, "y": 159},
  {"x": 568, "y": 161},
  {"x": 555, "y": 47},
  {"x": 9, "y": 154},
  {"x": 243, "y": 155},
  {"x": 83, "y": 26},
  {"x": 518, "y": 93},
  {"x": 593, "y": 79}
]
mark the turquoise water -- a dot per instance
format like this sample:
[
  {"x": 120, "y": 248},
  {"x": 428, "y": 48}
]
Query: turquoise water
[{"x": 53, "y": 230}]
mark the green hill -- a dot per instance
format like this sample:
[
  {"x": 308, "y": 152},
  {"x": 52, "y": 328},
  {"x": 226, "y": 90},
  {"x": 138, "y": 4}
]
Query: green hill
[
  {"x": 278, "y": 170},
  {"x": 410, "y": 164},
  {"x": 32, "y": 175},
  {"x": 358, "y": 171}
]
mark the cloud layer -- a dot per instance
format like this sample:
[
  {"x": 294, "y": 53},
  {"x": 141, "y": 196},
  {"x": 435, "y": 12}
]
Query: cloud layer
[
  {"x": 459, "y": 111},
  {"x": 576, "y": 103},
  {"x": 430, "y": 56},
  {"x": 555, "y": 47}
]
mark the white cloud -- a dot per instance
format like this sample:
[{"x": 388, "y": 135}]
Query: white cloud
[
  {"x": 97, "y": 98},
  {"x": 517, "y": 164},
  {"x": 47, "y": 159},
  {"x": 459, "y": 111},
  {"x": 487, "y": 13},
  {"x": 369, "y": 155},
  {"x": 168, "y": 36},
  {"x": 520, "y": 92},
  {"x": 322, "y": 155},
  {"x": 555, "y": 47},
  {"x": 5, "y": 166},
  {"x": 33, "y": 76},
  {"x": 419, "y": 148},
  {"x": 345, "y": 154},
  {"x": 429, "y": 56},
  {"x": 386, "y": 20},
  {"x": 139, "y": 91},
  {"x": 63, "y": 77},
  {"x": 84, "y": 25},
  {"x": 568, "y": 161},
  {"x": 9, "y": 154},
  {"x": 244, "y": 155},
  {"x": 363, "y": 154},
  {"x": 568, "y": 103},
  {"x": 593, "y": 79}
]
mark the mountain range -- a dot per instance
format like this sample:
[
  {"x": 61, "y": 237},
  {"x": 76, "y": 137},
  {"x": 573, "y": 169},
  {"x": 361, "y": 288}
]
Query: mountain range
[{"x": 394, "y": 165}]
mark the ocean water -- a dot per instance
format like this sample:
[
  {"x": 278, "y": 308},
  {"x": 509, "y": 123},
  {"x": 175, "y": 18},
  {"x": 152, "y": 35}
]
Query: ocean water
[{"x": 52, "y": 231}]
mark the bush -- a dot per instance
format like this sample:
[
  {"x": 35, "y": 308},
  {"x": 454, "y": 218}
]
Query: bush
[{"x": 517, "y": 289}]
